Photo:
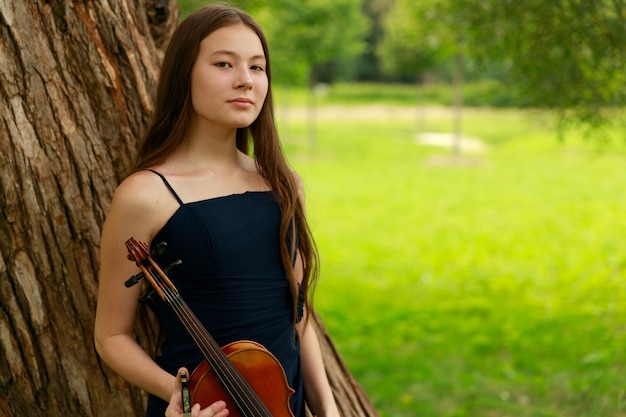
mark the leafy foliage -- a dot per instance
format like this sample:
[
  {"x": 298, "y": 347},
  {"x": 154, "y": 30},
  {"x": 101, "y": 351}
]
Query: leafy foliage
[
  {"x": 309, "y": 34},
  {"x": 561, "y": 54},
  {"x": 418, "y": 39},
  {"x": 567, "y": 55}
]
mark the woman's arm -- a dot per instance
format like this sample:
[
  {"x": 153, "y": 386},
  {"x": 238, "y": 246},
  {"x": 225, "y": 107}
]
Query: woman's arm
[
  {"x": 318, "y": 393},
  {"x": 134, "y": 213}
]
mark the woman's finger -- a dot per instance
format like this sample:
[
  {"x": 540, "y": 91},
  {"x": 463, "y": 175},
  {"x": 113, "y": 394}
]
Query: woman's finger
[{"x": 217, "y": 409}]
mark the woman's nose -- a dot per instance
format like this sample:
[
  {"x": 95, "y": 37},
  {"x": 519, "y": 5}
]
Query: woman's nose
[{"x": 244, "y": 79}]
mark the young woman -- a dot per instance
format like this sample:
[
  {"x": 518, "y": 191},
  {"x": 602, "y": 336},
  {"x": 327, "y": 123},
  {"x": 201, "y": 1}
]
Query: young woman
[{"x": 236, "y": 222}]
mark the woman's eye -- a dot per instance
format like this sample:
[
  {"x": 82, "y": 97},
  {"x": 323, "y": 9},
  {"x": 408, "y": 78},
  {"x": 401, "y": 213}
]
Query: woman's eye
[
  {"x": 257, "y": 68},
  {"x": 222, "y": 64}
]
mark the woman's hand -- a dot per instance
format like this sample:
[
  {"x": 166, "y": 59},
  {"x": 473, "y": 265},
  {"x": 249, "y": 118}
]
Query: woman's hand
[{"x": 175, "y": 408}]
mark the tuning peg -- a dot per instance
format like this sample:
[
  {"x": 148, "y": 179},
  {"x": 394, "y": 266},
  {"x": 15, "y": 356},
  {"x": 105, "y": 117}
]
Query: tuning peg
[
  {"x": 172, "y": 265},
  {"x": 159, "y": 249},
  {"x": 147, "y": 296},
  {"x": 133, "y": 280}
]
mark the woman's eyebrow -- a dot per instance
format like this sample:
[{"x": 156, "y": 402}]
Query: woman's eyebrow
[{"x": 234, "y": 54}]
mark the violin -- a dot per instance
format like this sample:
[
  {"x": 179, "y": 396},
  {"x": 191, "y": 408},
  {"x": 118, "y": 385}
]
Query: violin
[{"x": 244, "y": 374}]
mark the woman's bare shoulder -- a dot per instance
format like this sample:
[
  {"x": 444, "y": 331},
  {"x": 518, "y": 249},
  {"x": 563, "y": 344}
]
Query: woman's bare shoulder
[
  {"x": 141, "y": 200},
  {"x": 141, "y": 187}
]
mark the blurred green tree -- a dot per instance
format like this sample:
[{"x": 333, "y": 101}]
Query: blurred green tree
[
  {"x": 564, "y": 55},
  {"x": 368, "y": 67},
  {"x": 419, "y": 41},
  {"x": 311, "y": 40}
]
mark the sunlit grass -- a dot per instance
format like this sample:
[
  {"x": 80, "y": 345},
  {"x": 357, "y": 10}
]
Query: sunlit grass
[{"x": 481, "y": 285}]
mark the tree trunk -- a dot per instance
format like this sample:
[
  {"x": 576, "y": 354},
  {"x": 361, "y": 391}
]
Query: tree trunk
[
  {"x": 350, "y": 397},
  {"x": 77, "y": 79},
  {"x": 457, "y": 104}
]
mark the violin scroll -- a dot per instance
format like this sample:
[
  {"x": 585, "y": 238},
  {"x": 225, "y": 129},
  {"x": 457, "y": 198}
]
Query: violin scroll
[{"x": 137, "y": 251}]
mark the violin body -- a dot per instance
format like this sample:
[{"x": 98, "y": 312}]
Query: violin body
[{"x": 260, "y": 369}]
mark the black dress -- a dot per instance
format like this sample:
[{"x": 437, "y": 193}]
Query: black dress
[{"x": 232, "y": 278}]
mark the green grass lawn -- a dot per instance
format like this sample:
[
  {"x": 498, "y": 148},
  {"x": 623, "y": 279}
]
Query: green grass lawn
[{"x": 488, "y": 284}]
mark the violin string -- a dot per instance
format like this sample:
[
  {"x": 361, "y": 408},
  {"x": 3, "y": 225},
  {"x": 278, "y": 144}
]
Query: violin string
[
  {"x": 210, "y": 351},
  {"x": 205, "y": 345},
  {"x": 237, "y": 387}
]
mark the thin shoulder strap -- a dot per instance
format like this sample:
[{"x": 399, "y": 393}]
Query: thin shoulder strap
[{"x": 169, "y": 187}]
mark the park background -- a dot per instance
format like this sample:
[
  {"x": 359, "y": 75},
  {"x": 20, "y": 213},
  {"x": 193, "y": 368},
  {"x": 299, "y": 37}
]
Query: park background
[{"x": 463, "y": 166}]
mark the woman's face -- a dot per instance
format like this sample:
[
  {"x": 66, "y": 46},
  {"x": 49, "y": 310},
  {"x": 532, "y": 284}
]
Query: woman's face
[{"x": 228, "y": 80}]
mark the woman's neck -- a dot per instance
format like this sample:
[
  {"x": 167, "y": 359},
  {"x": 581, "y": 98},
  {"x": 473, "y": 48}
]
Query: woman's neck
[{"x": 203, "y": 147}]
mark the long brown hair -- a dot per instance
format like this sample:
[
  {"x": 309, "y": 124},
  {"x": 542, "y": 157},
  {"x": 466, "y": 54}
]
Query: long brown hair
[{"x": 171, "y": 119}]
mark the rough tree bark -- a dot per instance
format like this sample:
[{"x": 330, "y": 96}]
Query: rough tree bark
[
  {"x": 349, "y": 395},
  {"x": 76, "y": 82},
  {"x": 77, "y": 79}
]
